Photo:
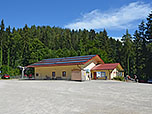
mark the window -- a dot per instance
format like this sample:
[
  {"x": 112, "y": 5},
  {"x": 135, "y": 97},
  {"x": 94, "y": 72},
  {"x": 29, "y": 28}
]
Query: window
[
  {"x": 37, "y": 74},
  {"x": 103, "y": 74},
  {"x": 53, "y": 74},
  {"x": 64, "y": 74},
  {"x": 119, "y": 73}
]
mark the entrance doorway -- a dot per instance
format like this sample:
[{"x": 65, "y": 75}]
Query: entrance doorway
[{"x": 95, "y": 75}]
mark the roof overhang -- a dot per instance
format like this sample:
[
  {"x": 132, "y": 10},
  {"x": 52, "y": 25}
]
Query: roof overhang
[{"x": 97, "y": 59}]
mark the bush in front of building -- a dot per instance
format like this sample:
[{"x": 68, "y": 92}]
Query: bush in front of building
[
  {"x": 12, "y": 72},
  {"x": 120, "y": 78}
]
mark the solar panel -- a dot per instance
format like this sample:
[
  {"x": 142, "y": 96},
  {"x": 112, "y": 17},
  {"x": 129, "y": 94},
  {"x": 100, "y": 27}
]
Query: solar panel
[
  {"x": 58, "y": 63},
  {"x": 87, "y": 56},
  {"x": 64, "y": 60}
]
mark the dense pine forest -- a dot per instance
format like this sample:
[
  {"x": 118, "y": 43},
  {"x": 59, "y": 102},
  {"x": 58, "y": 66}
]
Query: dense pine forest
[{"x": 24, "y": 46}]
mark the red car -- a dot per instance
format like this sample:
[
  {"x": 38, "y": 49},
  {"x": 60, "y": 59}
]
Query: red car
[{"x": 5, "y": 76}]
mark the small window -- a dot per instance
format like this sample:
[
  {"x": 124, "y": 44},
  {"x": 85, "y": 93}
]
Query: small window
[
  {"x": 64, "y": 74},
  {"x": 53, "y": 74},
  {"x": 103, "y": 74},
  {"x": 119, "y": 73},
  {"x": 37, "y": 74}
]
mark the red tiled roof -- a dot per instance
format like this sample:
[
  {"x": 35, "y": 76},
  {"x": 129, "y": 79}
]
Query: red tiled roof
[{"x": 109, "y": 66}]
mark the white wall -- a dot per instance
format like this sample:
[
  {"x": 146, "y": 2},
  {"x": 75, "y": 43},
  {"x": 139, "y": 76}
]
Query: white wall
[
  {"x": 89, "y": 67},
  {"x": 83, "y": 75},
  {"x": 114, "y": 73}
]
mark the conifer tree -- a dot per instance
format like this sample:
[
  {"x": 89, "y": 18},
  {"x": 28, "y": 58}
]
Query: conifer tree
[
  {"x": 127, "y": 51},
  {"x": 148, "y": 35},
  {"x": 2, "y": 33},
  {"x": 149, "y": 27}
]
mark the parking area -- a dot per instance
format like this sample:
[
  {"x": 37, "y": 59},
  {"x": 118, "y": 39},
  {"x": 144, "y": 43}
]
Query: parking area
[{"x": 70, "y": 97}]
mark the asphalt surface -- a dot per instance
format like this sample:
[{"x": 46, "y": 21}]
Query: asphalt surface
[{"x": 70, "y": 97}]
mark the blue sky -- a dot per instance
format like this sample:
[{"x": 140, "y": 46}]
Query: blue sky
[{"x": 113, "y": 15}]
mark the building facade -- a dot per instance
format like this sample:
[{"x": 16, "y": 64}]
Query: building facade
[
  {"x": 107, "y": 71},
  {"x": 74, "y": 68}
]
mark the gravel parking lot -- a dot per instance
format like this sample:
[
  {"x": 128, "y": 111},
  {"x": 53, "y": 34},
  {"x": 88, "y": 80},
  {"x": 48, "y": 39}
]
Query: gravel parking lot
[{"x": 70, "y": 97}]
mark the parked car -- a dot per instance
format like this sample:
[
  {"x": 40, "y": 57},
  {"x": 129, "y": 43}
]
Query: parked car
[
  {"x": 142, "y": 81},
  {"x": 5, "y": 76},
  {"x": 149, "y": 81},
  {"x": 30, "y": 76}
]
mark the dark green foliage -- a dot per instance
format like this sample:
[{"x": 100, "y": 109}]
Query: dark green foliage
[
  {"x": 2, "y": 39},
  {"x": 149, "y": 28},
  {"x": 143, "y": 49},
  {"x": 139, "y": 58},
  {"x": 148, "y": 34},
  {"x": 128, "y": 53},
  {"x": 11, "y": 71}
]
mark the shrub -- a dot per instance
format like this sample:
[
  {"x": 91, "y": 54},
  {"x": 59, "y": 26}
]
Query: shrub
[
  {"x": 11, "y": 71},
  {"x": 120, "y": 78}
]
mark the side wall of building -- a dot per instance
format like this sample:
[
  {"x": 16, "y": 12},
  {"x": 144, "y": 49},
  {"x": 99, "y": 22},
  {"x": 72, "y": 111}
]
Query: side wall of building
[
  {"x": 88, "y": 70},
  {"x": 110, "y": 74},
  {"x": 46, "y": 72},
  {"x": 114, "y": 73},
  {"x": 107, "y": 74}
]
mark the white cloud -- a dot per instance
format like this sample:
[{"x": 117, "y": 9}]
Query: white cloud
[
  {"x": 121, "y": 18},
  {"x": 118, "y": 38}
]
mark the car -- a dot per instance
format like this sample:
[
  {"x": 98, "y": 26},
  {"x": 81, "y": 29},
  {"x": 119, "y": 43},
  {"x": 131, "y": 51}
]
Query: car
[
  {"x": 142, "y": 81},
  {"x": 5, "y": 76},
  {"x": 149, "y": 81}
]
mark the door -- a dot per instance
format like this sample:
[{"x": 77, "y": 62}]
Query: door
[
  {"x": 53, "y": 75},
  {"x": 76, "y": 75},
  {"x": 95, "y": 75}
]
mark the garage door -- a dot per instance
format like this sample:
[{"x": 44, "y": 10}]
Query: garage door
[{"x": 76, "y": 75}]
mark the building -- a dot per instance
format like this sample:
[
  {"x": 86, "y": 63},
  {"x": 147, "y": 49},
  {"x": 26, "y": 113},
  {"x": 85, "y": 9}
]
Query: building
[
  {"x": 76, "y": 68},
  {"x": 107, "y": 71}
]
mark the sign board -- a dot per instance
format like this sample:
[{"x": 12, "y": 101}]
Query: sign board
[{"x": 87, "y": 70}]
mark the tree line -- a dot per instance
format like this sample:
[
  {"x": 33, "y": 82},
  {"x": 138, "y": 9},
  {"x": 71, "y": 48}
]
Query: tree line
[{"x": 27, "y": 45}]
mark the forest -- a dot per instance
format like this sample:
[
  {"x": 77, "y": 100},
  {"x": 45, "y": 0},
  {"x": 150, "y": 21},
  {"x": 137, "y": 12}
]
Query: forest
[{"x": 27, "y": 45}]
